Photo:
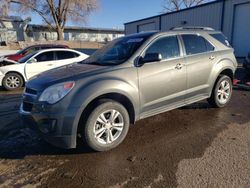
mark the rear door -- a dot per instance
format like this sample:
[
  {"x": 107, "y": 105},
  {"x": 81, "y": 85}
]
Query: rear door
[
  {"x": 200, "y": 58},
  {"x": 66, "y": 58},
  {"x": 45, "y": 61}
]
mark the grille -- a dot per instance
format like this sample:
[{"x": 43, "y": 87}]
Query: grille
[
  {"x": 30, "y": 91},
  {"x": 27, "y": 106}
]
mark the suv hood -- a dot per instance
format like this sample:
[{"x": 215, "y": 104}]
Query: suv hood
[{"x": 62, "y": 74}]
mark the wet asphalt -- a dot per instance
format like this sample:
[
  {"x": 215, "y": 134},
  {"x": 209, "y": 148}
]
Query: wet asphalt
[{"x": 153, "y": 154}]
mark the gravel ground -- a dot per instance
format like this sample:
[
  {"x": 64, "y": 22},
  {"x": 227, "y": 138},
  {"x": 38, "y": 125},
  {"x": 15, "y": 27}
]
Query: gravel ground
[
  {"x": 225, "y": 163},
  {"x": 194, "y": 146}
]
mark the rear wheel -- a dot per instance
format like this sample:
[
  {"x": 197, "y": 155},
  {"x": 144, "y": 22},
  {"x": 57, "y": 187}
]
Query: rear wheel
[
  {"x": 222, "y": 92},
  {"x": 12, "y": 81},
  {"x": 106, "y": 127}
]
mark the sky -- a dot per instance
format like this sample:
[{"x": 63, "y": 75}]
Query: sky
[{"x": 114, "y": 13}]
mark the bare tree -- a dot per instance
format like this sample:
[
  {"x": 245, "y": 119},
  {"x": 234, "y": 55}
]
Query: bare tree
[
  {"x": 56, "y": 13},
  {"x": 4, "y": 7},
  {"x": 176, "y": 5}
]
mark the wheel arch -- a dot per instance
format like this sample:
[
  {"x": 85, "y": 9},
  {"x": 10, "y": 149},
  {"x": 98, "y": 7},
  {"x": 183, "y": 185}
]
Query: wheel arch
[
  {"x": 115, "y": 96},
  {"x": 227, "y": 72}
]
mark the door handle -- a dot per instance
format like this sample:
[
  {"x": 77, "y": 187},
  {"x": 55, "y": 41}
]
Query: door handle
[
  {"x": 49, "y": 64},
  {"x": 178, "y": 66},
  {"x": 212, "y": 57}
]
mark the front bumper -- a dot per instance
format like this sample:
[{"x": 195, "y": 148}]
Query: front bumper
[
  {"x": 55, "y": 128},
  {"x": 1, "y": 79},
  {"x": 61, "y": 141}
]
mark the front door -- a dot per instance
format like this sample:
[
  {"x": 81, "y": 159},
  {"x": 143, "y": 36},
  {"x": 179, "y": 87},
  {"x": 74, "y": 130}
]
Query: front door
[
  {"x": 162, "y": 84},
  {"x": 44, "y": 61}
]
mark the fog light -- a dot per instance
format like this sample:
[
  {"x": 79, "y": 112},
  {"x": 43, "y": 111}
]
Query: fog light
[{"x": 47, "y": 125}]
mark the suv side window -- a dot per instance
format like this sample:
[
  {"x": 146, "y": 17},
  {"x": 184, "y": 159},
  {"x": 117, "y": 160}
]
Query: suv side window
[
  {"x": 168, "y": 47},
  {"x": 195, "y": 44},
  {"x": 61, "y": 55},
  {"x": 220, "y": 37},
  {"x": 46, "y": 56}
]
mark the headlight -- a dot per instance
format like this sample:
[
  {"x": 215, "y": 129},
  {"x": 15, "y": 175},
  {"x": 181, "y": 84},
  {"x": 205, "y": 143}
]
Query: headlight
[{"x": 56, "y": 92}]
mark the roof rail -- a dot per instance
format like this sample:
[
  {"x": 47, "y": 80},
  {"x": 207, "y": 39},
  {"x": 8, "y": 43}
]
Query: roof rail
[
  {"x": 193, "y": 28},
  {"x": 149, "y": 31}
]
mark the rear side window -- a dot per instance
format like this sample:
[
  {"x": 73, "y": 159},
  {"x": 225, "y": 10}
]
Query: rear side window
[
  {"x": 168, "y": 47},
  {"x": 46, "y": 56},
  {"x": 195, "y": 44},
  {"x": 220, "y": 37},
  {"x": 66, "y": 55}
]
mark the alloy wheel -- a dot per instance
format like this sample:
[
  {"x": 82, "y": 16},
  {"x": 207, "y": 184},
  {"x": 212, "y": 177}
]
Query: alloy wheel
[
  {"x": 224, "y": 92},
  {"x": 108, "y": 127},
  {"x": 13, "y": 82}
]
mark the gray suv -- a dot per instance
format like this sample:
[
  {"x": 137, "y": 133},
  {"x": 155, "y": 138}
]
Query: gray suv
[{"x": 134, "y": 77}]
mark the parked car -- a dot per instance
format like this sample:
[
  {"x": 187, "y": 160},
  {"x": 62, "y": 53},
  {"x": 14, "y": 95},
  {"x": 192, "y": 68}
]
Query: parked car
[
  {"x": 137, "y": 76},
  {"x": 12, "y": 58},
  {"x": 14, "y": 76},
  {"x": 246, "y": 64}
]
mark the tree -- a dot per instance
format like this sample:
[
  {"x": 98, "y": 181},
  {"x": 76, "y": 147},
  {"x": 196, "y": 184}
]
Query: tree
[
  {"x": 56, "y": 13},
  {"x": 176, "y": 5},
  {"x": 4, "y": 7}
]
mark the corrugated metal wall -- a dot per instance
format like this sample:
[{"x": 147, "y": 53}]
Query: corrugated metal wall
[
  {"x": 218, "y": 15},
  {"x": 134, "y": 27},
  {"x": 209, "y": 16}
]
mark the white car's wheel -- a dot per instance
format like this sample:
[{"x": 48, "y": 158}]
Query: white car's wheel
[{"x": 12, "y": 81}]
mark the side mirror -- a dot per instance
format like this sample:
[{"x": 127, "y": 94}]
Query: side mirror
[
  {"x": 33, "y": 60},
  {"x": 151, "y": 57}
]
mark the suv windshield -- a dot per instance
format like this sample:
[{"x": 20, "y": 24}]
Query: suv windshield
[{"x": 117, "y": 51}]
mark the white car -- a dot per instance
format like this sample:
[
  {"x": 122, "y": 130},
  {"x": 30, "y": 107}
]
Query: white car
[{"x": 14, "y": 75}]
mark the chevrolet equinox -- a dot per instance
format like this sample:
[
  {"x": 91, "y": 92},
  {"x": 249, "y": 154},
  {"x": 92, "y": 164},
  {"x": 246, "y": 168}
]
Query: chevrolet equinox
[{"x": 131, "y": 78}]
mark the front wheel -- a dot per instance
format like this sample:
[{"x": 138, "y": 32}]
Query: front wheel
[
  {"x": 222, "y": 92},
  {"x": 12, "y": 81},
  {"x": 106, "y": 127}
]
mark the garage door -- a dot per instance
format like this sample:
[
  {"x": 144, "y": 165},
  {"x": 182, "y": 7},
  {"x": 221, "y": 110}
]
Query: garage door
[
  {"x": 241, "y": 36},
  {"x": 147, "y": 27}
]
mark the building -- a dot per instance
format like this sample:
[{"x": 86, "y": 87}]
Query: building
[
  {"x": 229, "y": 16},
  {"x": 14, "y": 29},
  {"x": 43, "y": 33}
]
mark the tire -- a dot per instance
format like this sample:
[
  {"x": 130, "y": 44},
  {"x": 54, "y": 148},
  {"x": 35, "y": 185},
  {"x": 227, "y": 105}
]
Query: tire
[
  {"x": 102, "y": 140},
  {"x": 16, "y": 84},
  {"x": 221, "y": 96}
]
